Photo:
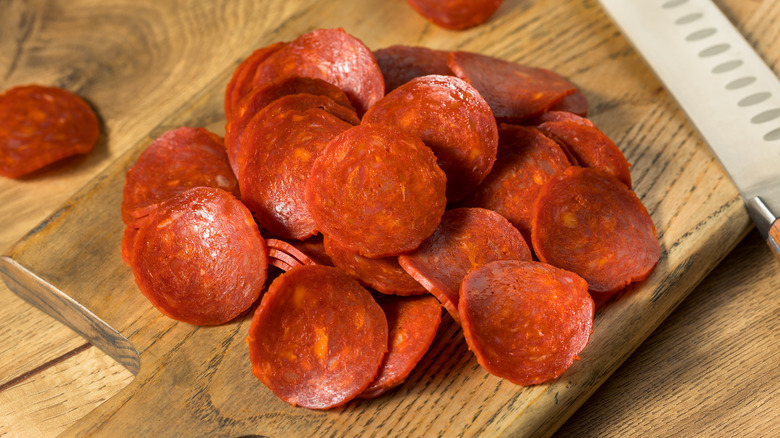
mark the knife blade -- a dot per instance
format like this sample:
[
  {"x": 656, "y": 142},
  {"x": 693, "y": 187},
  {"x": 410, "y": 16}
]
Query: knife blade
[{"x": 723, "y": 86}]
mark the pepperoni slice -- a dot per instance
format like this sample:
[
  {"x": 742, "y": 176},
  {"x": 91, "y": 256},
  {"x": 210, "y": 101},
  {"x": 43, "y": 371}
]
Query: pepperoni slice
[
  {"x": 412, "y": 324},
  {"x": 199, "y": 257},
  {"x": 576, "y": 103},
  {"x": 526, "y": 160},
  {"x": 333, "y": 56},
  {"x": 588, "y": 222},
  {"x": 467, "y": 238},
  {"x": 589, "y": 146},
  {"x": 456, "y": 14},
  {"x": 40, "y": 125},
  {"x": 283, "y": 247},
  {"x": 377, "y": 191},
  {"x": 318, "y": 338},
  {"x": 560, "y": 116},
  {"x": 383, "y": 274},
  {"x": 525, "y": 321},
  {"x": 452, "y": 119},
  {"x": 515, "y": 92},
  {"x": 313, "y": 248},
  {"x": 400, "y": 64},
  {"x": 279, "y": 147},
  {"x": 260, "y": 97},
  {"x": 241, "y": 82},
  {"x": 178, "y": 160}
]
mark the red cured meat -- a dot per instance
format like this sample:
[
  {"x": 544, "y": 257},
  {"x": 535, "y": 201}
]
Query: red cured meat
[
  {"x": 40, "y": 125},
  {"x": 242, "y": 81},
  {"x": 588, "y": 222},
  {"x": 589, "y": 146},
  {"x": 313, "y": 248},
  {"x": 525, "y": 321},
  {"x": 260, "y": 97},
  {"x": 377, "y": 191},
  {"x": 333, "y": 56},
  {"x": 412, "y": 324},
  {"x": 199, "y": 257},
  {"x": 318, "y": 338},
  {"x": 277, "y": 257},
  {"x": 452, "y": 119},
  {"x": 456, "y": 14},
  {"x": 383, "y": 274},
  {"x": 279, "y": 147},
  {"x": 466, "y": 239},
  {"x": 526, "y": 160},
  {"x": 514, "y": 92},
  {"x": 290, "y": 250},
  {"x": 560, "y": 116},
  {"x": 576, "y": 103},
  {"x": 178, "y": 160},
  {"x": 400, "y": 64}
]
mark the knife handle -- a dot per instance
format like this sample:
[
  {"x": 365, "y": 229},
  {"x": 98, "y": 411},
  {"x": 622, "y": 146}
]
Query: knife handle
[
  {"x": 773, "y": 238},
  {"x": 766, "y": 221}
]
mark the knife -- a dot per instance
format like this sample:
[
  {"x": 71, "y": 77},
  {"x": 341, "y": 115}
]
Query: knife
[{"x": 725, "y": 89}]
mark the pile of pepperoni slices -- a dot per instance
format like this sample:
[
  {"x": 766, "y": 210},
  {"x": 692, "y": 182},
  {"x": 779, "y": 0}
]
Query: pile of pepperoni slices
[{"x": 387, "y": 185}]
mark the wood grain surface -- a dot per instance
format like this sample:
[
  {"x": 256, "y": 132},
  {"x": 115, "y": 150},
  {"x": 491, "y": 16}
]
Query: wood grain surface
[{"x": 150, "y": 66}]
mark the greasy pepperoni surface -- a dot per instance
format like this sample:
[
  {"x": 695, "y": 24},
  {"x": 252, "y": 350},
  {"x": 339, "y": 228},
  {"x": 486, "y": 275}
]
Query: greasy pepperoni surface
[
  {"x": 199, "y": 257},
  {"x": 466, "y": 238},
  {"x": 383, "y": 274},
  {"x": 452, "y": 119},
  {"x": 526, "y": 160},
  {"x": 242, "y": 80},
  {"x": 456, "y": 14},
  {"x": 279, "y": 147},
  {"x": 588, "y": 222},
  {"x": 589, "y": 146},
  {"x": 525, "y": 321},
  {"x": 333, "y": 56},
  {"x": 376, "y": 190},
  {"x": 178, "y": 160},
  {"x": 412, "y": 324},
  {"x": 400, "y": 64},
  {"x": 318, "y": 338},
  {"x": 40, "y": 125},
  {"x": 514, "y": 92}
]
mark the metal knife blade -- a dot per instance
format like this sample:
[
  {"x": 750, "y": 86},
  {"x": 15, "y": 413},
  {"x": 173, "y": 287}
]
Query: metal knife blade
[{"x": 724, "y": 87}]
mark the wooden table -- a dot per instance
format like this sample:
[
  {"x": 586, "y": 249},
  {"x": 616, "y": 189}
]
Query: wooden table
[{"x": 710, "y": 369}]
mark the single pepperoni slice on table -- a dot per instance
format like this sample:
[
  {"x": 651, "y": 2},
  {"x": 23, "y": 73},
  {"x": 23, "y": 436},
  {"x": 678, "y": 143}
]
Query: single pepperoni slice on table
[
  {"x": 279, "y": 147},
  {"x": 452, "y": 119},
  {"x": 382, "y": 274},
  {"x": 376, "y": 190},
  {"x": 40, "y": 125},
  {"x": 514, "y": 92},
  {"x": 589, "y": 223},
  {"x": 176, "y": 161},
  {"x": 199, "y": 257},
  {"x": 318, "y": 338},
  {"x": 412, "y": 323},
  {"x": 456, "y": 14},
  {"x": 466, "y": 238},
  {"x": 526, "y": 159},
  {"x": 333, "y": 56},
  {"x": 525, "y": 321}
]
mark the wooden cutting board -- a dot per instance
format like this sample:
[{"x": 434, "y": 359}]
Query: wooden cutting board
[{"x": 197, "y": 381}]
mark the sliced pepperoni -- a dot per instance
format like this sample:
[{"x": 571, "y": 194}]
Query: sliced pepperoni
[
  {"x": 278, "y": 148},
  {"x": 318, "y": 338},
  {"x": 199, "y": 257},
  {"x": 289, "y": 249},
  {"x": 40, "y": 125},
  {"x": 466, "y": 239},
  {"x": 526, "y": 160},
  {"x": 525, "y": 321},
  {"x": 313, "y": 248},
  {"x": 262, "y": 96},
  {"x": 241, "y": 82},
  {"x": 452, "y": 119},
  {"x": 376, "y": 190},
  {"x": 589, "y": 146},
  {"x": 400, "y": 64},
  {"x": 588, "y": 222},
  {"x": 412, "y": 324},
  {"x": 515, "y": 92},
  {"x": 382, "y": 274},
  {"x": 178, "y": 160},
  {"x": 282, "y": 260},
  {"x": 456, "y": 14},
  {"x": 576, "y": 103},
  {"x": 560, "y": 116},
  {"x": 333, "y": 56}
]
